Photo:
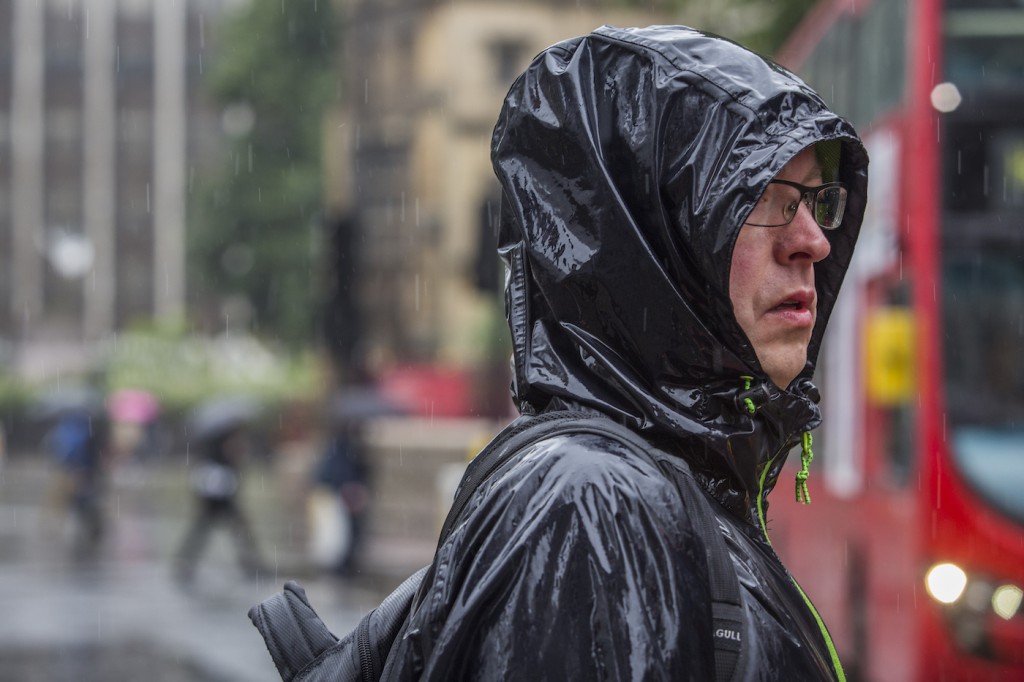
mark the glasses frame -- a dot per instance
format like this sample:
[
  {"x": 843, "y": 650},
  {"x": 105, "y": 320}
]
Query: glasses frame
[{"x": 809, "y": 198}]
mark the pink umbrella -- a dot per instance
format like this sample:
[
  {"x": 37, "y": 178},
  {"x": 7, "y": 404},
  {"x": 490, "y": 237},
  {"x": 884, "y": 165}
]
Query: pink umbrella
[{"x": 133, "y": 405}]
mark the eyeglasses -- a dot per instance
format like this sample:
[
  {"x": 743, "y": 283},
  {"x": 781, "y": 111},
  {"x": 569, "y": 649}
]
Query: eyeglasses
[{"x": 780, "y": 201}]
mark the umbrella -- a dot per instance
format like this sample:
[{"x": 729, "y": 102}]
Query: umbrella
[
  {"x": 133, "y": 405},
  {"x": 68, "y": 399},
  {"x": 217, "y": 416}
]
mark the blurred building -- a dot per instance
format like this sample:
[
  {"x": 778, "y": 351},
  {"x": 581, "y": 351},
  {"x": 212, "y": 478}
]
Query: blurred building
[
  {"x": 102, "y": 129},
  {"x": 411, "y": 192}
]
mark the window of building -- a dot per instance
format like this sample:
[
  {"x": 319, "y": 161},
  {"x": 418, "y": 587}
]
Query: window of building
[{"x": 508, "y": 56}]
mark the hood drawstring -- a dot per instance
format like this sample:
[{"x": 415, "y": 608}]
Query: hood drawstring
[
  {"x": 745, "y": 403},
  {"x": 803, "y": 496},
  {"x": 749, "y": 399}
]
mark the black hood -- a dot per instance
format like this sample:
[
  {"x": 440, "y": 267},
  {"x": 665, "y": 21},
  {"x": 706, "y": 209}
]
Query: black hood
[{"x": 629, "y": 160}]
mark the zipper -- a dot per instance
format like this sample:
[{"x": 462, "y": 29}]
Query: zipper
[
  {"x": 836, "y": 664},
  {"x": 367, "y": 673}
]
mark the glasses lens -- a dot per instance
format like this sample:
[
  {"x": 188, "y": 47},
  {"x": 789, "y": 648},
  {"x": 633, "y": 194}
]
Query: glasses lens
[
  {"x": 829, "y": 206},
  {"x": 777, "y": 206}
]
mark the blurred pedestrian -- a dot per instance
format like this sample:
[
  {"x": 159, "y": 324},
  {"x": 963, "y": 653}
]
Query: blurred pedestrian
[
  {"x": 78, "y": 444},
  {"x": 216, "y": 482},
  {"x": 341, "y": 497},
  {"x": 678, "y": 216},
  {"x": 340, "y": 500}
]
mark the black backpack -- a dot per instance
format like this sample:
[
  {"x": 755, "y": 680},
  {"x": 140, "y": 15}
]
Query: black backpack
[{"x": 304, "y": 650}]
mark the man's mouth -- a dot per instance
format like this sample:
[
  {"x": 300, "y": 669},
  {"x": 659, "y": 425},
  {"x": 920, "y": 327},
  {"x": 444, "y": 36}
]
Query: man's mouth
[
  {"x": 797, "y": 308},
  {"x": 790, "y": 304}
]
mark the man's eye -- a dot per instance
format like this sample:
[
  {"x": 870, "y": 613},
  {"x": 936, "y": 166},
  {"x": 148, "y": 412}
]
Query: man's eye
[{"x": 790, "y": 209}]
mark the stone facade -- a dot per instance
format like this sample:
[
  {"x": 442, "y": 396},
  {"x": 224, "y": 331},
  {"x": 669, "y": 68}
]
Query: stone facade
[{"x": 410, "y": 170}]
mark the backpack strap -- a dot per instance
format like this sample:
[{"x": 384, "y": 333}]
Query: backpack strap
[
  {"x": 727, "y": 606},
  {"x": 294, "y": 634},
  {"x": 304, "y": 650}
]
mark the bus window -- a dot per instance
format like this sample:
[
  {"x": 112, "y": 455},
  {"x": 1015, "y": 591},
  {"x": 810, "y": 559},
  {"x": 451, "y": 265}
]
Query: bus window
[{"x": 984, "y": 371}]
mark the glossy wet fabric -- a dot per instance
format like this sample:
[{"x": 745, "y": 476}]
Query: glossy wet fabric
[{"x": 629, "y": 160}]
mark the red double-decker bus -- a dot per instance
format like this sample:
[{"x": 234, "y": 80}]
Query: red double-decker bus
[{"x": 913, "y": 547}]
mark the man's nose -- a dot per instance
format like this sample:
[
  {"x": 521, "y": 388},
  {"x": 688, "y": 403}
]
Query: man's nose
[{"x": 804, "y": 238}]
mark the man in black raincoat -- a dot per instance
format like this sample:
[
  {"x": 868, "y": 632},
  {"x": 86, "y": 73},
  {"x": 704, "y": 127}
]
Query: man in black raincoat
[{"x": 679, "y": 215}]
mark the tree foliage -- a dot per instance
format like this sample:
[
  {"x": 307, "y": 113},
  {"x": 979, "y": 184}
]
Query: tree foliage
[{"x": 253, "y": 238}]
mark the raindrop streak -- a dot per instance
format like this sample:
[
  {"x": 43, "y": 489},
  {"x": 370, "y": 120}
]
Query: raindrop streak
[
  {"x": 645, "y": 320},
  {"x": 147, "y": 198},
  {"x": 250, "y": 157},
  {"x": 417, "y": 292},
  {"x": 416, "y": 211}
]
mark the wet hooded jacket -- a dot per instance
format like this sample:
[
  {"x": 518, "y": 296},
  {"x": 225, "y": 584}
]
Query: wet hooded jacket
[{"x": 629, "y": 159}]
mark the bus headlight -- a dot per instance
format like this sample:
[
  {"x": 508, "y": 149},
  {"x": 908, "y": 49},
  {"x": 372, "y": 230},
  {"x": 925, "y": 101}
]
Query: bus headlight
[
  {"x": 945, "y": 582},
  {"x": 1006, "y": 601}
]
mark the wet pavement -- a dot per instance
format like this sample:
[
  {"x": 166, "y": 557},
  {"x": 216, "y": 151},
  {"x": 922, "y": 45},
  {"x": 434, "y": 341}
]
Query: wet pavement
[{"x": 121, "y": 615}]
